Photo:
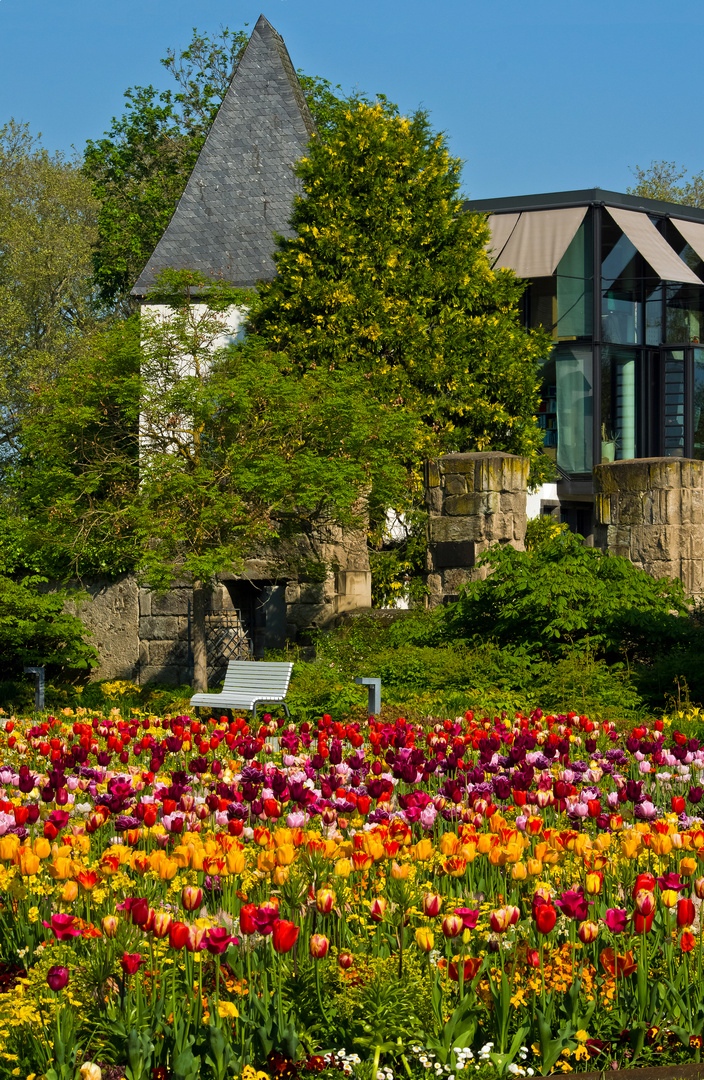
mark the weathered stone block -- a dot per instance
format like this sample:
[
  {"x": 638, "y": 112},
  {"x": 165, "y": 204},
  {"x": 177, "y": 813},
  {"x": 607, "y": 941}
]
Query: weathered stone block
[
  {"x": 158, "y": 628},
  {"x": 454, "y": 579},
  {"x": 434, "y": 500},
  {"x": 454, "y": 554},
  {"x": 455, "y": 484},
  {"x": 145, "y": 602},
  {"x": 311, "y": 592},
  {"x": 692, "y": 574},
  {"x": 452, "y": 529},
  {"x": 169, "y": 674},
  {"x": 432, "y": 474},
  {"x": 174, "y": 602},
  {"x": 459, "y": 463},
  {"x": 168, "y": 652},
  {"x": 293, "y": 592}
]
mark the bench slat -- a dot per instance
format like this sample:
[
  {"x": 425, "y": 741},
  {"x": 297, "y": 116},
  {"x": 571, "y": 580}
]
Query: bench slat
[{"x": 248, "y": 682}]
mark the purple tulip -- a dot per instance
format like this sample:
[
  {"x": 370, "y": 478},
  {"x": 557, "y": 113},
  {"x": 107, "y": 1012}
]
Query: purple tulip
[
  {"x": 57, "y": 977},
  {"x": 616, "y": 920}
]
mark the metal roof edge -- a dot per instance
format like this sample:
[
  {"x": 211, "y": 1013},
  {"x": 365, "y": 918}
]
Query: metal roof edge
[{"x": 558, "y": 200}]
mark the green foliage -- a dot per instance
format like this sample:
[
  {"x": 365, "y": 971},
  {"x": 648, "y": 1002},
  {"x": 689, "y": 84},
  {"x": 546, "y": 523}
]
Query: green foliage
[
  {"x": 35, "y": 631},
  {"x": 541, "y": 530},
  {"x": 73, "y": 485},
  {"x": 235, "y": 452},
  {"x": 47, "y": 227},
  {"x": 387, "y": 275},
  {"x": 664, "y": 180},
  {"x": 564, "y": 593},
  {"x": 397, "y": 558}
]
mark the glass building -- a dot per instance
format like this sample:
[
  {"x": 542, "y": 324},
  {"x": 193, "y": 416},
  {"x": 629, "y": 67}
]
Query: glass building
[{"x": 617, "y": 282}]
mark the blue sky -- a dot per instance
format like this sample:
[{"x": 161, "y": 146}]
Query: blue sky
[{"x": 538, "y": 95}]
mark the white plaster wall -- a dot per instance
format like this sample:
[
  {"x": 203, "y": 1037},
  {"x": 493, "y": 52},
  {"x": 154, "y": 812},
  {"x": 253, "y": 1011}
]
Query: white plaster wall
[{"x": 534, "y": 498}]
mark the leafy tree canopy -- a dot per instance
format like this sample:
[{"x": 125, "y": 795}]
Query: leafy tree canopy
[
  {"x": 35, "y": 630},
  {"x": 388, "y": 277},
  {"x": 48, "y": 218},
  {"x": 667, "y": 181}
]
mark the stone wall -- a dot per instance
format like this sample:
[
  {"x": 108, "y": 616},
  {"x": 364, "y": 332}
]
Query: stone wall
[
  {"x": 651, "y": 511},
  {"x": 284, "y": 594},
  {"x": 110, "y": 610},
  {"x": 473, "y": 500}
]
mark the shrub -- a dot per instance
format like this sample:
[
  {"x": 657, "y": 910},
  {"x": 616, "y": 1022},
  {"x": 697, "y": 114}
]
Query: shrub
[
  {"x": 563, "y": 594},
  {"x": 36, "y": 631}
]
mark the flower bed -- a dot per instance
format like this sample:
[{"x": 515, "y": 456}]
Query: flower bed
[{"x": 509, "y": 895}]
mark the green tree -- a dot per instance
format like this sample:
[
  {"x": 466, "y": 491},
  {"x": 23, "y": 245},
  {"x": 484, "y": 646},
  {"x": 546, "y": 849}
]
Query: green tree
[
  {"x": 48, "y": 218},
  {"x": 665, "y": 180},
  {"x": 236, "y": 451},
  {"x": 70, "y": 488},
  {"x": 141, "y": 166},
  {"x": 36, "y": 631},
  {"x": 389, "y": 277}
]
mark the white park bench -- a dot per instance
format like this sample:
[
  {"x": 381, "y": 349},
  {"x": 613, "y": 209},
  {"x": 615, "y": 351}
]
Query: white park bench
[{"x": 249, "y": 683}]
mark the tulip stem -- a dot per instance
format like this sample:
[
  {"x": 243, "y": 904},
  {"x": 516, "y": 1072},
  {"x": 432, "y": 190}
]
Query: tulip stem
[{"x": 318, "y": 994}]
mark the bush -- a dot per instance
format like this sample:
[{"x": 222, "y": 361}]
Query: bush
[
  {"x": 36, "y": 631},
  {"x": 566, "y": 594}
]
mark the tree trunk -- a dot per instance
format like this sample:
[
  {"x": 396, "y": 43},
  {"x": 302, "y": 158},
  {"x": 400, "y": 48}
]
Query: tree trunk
[{"x": 200, "y": 658}]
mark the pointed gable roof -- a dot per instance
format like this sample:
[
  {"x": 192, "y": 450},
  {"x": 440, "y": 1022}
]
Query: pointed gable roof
[{"x": 242, "y": 186}]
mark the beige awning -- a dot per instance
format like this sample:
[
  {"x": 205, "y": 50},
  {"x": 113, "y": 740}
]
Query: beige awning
[
  {"x": 653, "y": 247},
  {"x": 539, "y": 240},
  {"x": 501, "y": 225},
  {"x": 693, "y": 233}
]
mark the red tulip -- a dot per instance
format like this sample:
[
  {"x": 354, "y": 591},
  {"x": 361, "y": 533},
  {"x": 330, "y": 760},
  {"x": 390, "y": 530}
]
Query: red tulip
[
  {"x": 345, "y": 960},
  {"x": 219, "y": 940},
  {"x": 247, "y": 923},
  {"x": 685, "y": 913},
  {"x": 63, "y": 926},
  {"x": 57, "y": 977},
  {"x": 191, "y": 897},
  {"x": 178, "y": 935},
  {"x": 545, "y": 918},
  {"x": 642, "y": 923},
  {"x": 131, "y": 962},
  {"x": 471, "y": 967},
  {"x": 285, "y": 935}
]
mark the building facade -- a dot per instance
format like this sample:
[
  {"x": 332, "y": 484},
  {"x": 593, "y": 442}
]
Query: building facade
[{"x": 617, "y": 282}]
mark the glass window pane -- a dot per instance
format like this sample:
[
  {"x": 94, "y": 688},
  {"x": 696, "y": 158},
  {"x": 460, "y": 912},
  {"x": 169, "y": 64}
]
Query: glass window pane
[
  {"x": 653, "y": 313},
  {"x": 574, "y": 407},
  {"x": 621, "y": 297},
  {"x": 685, "y": 313},
  {"x": 541, "y": 305},
  {"x": 698, "y": 404},
  {"x": 619, "y": 372},
  {"x": 673, "y": 410},
  {"x": 575, "y": 286}
]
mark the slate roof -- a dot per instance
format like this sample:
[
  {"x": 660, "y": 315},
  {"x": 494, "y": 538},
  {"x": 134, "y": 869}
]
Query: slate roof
[{"x": 242, "y": 185}]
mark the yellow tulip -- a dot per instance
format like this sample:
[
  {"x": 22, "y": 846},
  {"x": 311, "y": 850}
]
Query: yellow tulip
[
  {"x": 422, "y": 850},
  {"x": 168, "y": 869},
  {"x": 485, "y": 842},
  {"x": 285, "y": 854},
  {"x": 182, "y": 856},
  {"x": 425, "y": 939},
  {"x": 61, "y": 868},
  {"x": 534, "y": 867},
  {"x": 343, "y": 868},
  {"x": 266, "y": 862},
  {"x": 661, "y": 845},
  {"x": 235, "y": 861},
  {"x": 400, "y": 871},
  {"x": 519, "y": 871},
  {"x": 42, "y": 847},
  {"x": 28, "y": 862},
  {"x": 280, "y": 875},
  {"x": 630, "y": 843},
  {"x": 8, "y": 846},
  {"x": 670, "y": 897},
  {"x": 69, "y": 892},
  {"x": 449, "y": 844},
  {"x": 688, "y": 867},
  {"x": 468, "y": 851}
]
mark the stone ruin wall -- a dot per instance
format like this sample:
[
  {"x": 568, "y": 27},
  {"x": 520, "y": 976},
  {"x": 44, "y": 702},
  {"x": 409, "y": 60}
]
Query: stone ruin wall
[
  {"x": 142, "y": 636},
  {"x": 651, "y": 511},
  {"x": 473, "y": 501}
]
